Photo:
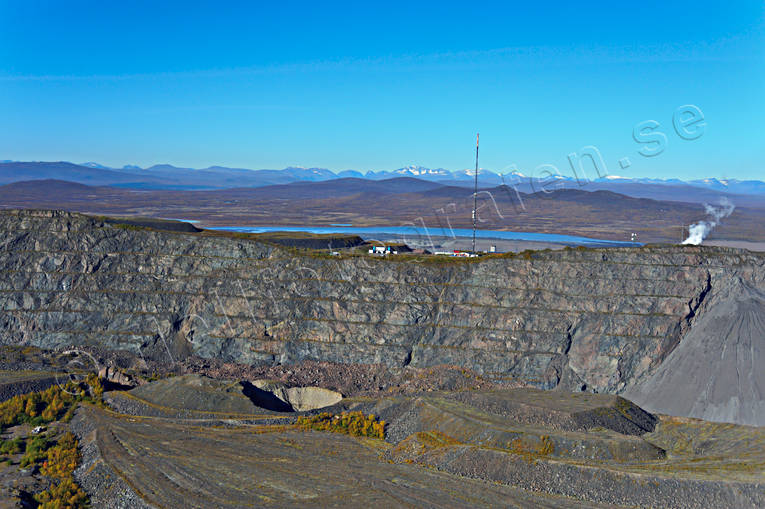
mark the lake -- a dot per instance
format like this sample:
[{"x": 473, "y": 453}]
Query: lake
[{"x": 414, "y": 234}]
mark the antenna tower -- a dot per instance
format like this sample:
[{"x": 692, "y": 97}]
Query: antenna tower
[{"x": 475, "y": 190}]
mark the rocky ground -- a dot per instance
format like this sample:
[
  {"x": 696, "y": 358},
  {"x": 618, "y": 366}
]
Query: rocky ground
[
  {"x": 103, "y": 485},
  {"x": 284, "y": 468},
  {"x": 521, "y": 447},
  {"x": 451, "y": 439},
  {"x": 352, "y": 379}
]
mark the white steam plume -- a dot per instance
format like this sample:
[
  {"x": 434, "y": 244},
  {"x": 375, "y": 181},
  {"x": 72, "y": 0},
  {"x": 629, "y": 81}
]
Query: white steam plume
[{"x": 698, "y": 232}]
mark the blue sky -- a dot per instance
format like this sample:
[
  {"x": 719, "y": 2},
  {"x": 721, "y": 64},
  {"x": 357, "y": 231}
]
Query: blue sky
[{"x": 378, "y": 87}]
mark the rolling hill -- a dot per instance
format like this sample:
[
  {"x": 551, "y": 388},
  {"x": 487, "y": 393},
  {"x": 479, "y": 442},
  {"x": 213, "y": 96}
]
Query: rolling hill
[
  {"x": 400, "y": 201},
  {"x": 167, "y": 177}
]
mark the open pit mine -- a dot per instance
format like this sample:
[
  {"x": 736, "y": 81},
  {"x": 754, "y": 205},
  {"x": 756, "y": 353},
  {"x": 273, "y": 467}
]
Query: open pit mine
[{"x": 217, "y": 370}]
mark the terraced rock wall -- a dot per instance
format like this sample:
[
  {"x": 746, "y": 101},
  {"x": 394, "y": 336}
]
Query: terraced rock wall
[{"x": 603, "y": 319}]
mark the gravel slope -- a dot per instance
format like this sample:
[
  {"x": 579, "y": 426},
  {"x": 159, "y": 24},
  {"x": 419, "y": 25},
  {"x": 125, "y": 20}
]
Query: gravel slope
[{"x": 716, "y": 372}]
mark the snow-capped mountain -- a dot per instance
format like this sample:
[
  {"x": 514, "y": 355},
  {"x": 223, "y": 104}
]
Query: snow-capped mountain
[
  {"x": 95, "y": 165},
  {"x": 421, "y": 171},
  {"x": 409, "y": 171}
]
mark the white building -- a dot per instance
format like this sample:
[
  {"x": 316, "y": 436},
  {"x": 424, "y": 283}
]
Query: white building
[{"x": 382, "y": 250}]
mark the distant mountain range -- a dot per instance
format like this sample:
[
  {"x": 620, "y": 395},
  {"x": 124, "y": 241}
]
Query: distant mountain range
[
  {"x": 489, "y": 178},
  {"x": 168, "y": 177}
]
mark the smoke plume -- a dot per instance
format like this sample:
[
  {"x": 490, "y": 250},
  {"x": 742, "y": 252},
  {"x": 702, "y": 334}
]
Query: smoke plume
[{"x": 698, "y": 232}]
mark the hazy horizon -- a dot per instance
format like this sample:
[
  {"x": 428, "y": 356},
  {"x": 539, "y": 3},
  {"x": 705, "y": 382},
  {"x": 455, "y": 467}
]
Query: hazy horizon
[{"x": 368, "y": 88}]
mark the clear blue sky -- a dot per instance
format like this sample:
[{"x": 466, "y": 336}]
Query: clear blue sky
[{"x": 354, "y": 86}]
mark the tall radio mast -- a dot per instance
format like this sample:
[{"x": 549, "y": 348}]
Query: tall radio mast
[{"x": 475, "y": 190}]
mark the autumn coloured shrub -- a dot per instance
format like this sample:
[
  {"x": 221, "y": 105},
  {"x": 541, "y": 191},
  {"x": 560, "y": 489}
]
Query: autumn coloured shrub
[
  {"x": 531, "y": 450},
  {"x": 60, "y": 458},
  {"x": 53, "y": 403},
  {"x": 350, "y": 423},
  {"x": 60, "y": 462},
  {"x": 35, "y": 450},
  {"x": 64, "y": 495},
  {"x": 434, "y": 438},
  {"x": 13, "y": 446}
]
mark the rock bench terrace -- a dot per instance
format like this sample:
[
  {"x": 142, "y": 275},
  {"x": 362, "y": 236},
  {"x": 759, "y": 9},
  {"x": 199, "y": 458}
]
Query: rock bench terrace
[{"x": 601, "y": 319}]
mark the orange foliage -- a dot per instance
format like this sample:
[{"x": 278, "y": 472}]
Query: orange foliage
[
  {"x": 63, "y": 458},
  {"x": 350, "y": 423}
]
